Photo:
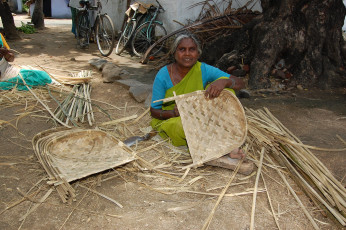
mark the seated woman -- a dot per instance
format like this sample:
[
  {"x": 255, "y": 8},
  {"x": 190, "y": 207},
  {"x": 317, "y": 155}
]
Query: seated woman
[
  {"x": 185, "y": 75},
  {"x": 11, "y": 76}
]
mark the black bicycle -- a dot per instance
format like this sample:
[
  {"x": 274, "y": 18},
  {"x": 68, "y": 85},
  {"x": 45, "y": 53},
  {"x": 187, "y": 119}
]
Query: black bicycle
[
  {"x": 135, "y": 15},
  {"x": 148, "y": 33},
  {"x": 103, "y": 28},
  {"x": 139, "y": 34}
]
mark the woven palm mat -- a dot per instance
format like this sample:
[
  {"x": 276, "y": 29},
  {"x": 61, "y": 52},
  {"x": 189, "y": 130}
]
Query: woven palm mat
[
  {"x": 213, "y": 127},
  {"x": 68, "y": 155}
]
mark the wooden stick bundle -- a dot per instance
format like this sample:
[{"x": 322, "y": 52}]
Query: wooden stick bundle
[
  {"x": 305, "y": 168},
  {"x": 76, "y": 107}
]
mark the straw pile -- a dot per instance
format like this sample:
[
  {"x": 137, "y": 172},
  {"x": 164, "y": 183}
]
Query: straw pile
[
  {"x": 211, "y": 24},
  {"x": 163, "y": 162},
  {"x": 219, "y": 19},
  {"x": 266, "y": 131},
  {"x": 10, "y": 98},
  {"x": 68, "y": 155},
  {"x": 207, "y": 121}
]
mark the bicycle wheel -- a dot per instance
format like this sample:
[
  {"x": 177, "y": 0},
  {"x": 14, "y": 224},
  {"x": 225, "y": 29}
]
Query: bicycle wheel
[
  {"x": 83, "y": 29},
  {"x": 145, "y": 36},
  {"x": 104, "y": 31},
  {"x": 125, "y": 36}
]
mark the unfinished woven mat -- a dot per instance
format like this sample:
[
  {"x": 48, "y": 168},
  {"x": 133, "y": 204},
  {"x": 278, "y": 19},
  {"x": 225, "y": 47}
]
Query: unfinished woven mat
[
  {"x": 213, "y": 127},
  {"x": 71, "y": 154}
]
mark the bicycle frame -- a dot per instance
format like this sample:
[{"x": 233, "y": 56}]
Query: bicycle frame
[
  {"x": 96, "y": 26},
  {"x": 153, "y": 18},
  {"x": 86, "y": 6},
  {"x": 133, "y": 25},
  {"x": 135, "y": 18}
]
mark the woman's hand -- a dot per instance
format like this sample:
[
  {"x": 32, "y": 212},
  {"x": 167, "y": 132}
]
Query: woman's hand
[
  {"x": 215, "y": 88},
  {"x": 5, "y": 53},
  {"x": 176, "y": 111},
  {"x": 164, "y": 114}
]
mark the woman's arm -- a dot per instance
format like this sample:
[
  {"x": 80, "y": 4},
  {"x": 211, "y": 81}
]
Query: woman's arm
[
  {"x": 213, "y": 74},
  {"x": 164, "y": 114},
  {"x": 217, "y": 86},
  {"x": 7, "y": 54}
]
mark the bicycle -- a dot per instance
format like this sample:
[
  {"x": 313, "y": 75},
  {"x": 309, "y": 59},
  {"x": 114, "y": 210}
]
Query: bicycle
[
  {"x": 130, "y": 27},
  {"x": 103, "y": 28},
  {"x": 148, "y": 33}
]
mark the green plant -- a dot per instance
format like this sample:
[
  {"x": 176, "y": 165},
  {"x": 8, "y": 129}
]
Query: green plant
[
  {"x": 27, "y": 29},
  {"x": 25, "y": 7}
]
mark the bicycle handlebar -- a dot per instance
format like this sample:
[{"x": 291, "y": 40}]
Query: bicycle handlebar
[
  {"x": 86, "y": 5},
  {"x": 160, "y": 6},
  {"x": 81, "y": 8}
]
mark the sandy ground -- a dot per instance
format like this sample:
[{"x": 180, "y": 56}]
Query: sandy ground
[{"x": 149, "y": 202}]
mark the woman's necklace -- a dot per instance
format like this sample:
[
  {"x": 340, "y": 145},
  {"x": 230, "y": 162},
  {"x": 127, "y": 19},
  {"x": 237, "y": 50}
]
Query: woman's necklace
[{"x": 174, "y": 76}]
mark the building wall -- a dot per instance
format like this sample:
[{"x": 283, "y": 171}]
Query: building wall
[
  {"x": 175, "y": 10},
  {"x": 178, "y": 10},
  {"x": 60, "y": 9}
]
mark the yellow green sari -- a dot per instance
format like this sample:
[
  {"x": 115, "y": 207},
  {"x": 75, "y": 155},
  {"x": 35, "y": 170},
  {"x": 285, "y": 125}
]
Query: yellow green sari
[{"x": 172, "y": 128}]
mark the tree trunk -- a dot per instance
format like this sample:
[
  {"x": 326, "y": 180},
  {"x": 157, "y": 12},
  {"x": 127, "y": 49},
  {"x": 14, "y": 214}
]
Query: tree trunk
[
  {"x": 305, "y": 34},
  {"x": 37, "y": 16},
  {"x": 11, "y": 31}
]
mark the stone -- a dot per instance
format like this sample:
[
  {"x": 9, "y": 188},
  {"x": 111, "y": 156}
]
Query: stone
[
  {"x": 239, "y": 73},
  {"x": 129, "y": 83},
  {"x": 140, "y": 92},
  {"x": 98, "y": 63},
  {"x": 246, "y": 68},
  {"x": 231, "y": 69},
  {"x": 147, "y": 102},
  {"x": 124, "y": 74},
  {"x": 280, "y": 74},
  {"x": 243, "y": 93},
  {"x": 111, "y": 72},
  {"x": 300, "y": 87}
]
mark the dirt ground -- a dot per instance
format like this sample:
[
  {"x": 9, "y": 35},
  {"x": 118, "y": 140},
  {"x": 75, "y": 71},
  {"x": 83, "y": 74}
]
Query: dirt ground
[{"x": 152, "y": 199}]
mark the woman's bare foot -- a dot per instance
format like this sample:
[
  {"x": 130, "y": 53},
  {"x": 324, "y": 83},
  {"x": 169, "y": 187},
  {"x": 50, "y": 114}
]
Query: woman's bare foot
[
  {"x": 237, "y": 154},
  {"x": 246, "y": 168}
]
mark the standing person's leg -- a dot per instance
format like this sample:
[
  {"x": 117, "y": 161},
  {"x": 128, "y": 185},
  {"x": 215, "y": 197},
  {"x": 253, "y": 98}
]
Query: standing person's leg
[{"x": 74, "y": 14}]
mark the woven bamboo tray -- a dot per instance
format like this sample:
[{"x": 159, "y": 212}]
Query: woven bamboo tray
[
  {"x": 68, "y": 155},
  {"x": 213, "y": 127}
]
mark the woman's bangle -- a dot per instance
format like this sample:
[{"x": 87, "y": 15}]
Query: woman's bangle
[{"x": 174, "y": 114}]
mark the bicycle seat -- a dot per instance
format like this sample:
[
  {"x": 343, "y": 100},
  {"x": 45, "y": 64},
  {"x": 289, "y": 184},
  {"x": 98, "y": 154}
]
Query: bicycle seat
[
  {"x": 84, "y": 3},
  {"x": 152, "y": 8}
]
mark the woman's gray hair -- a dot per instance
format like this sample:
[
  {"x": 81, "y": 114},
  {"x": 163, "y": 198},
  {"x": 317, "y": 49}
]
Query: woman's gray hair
[{"x": 179, "y": 38}]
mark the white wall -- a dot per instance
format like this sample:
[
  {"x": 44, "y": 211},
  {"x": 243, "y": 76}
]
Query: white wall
[
  {"x": 116, "y": 10},
  {"x": 178, "y": 10},
  {"x": 60, "y": 9}
]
